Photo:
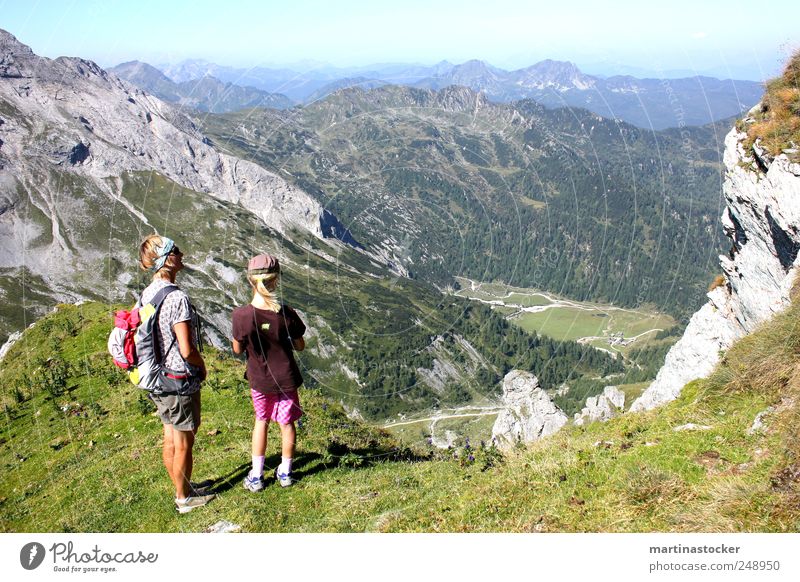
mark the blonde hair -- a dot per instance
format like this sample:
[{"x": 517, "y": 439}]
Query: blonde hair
[
  {"x": 264, "y": 285},
  {"x": 148, "y": 253}
]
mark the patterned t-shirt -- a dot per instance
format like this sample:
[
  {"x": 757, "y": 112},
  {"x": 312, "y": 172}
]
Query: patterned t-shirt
[{"x": 176, "y": 308}]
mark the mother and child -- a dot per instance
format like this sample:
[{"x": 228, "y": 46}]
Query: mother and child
[{"x": 265, "y": 331}]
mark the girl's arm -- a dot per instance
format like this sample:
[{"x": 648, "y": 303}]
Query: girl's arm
[
  {"x": 183, "y": 333},
  {"x": 238, "y": 348},
  {"x": 296, "y": 330}
]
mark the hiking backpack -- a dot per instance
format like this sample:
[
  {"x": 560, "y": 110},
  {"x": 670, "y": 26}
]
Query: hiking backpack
[{"x": 133, "y": 343}]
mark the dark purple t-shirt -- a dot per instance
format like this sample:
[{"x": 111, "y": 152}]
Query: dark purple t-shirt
[{"x": 267, "y": 338}]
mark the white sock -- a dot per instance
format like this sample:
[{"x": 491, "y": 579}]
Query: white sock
[
  {"x": 258, "y": 467},
  {"x": 286, "y": 466},
  {"x": 181, "y": 499}
]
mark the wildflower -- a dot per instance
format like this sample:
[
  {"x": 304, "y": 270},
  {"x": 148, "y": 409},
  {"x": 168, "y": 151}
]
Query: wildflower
[{"x": 471, "y": 458}]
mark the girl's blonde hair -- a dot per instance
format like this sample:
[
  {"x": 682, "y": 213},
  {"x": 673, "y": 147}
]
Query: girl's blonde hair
[{"x": 264, "y": 284}]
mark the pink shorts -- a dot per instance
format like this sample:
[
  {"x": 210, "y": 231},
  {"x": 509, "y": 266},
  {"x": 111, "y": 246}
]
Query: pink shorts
[{"x": 282, "y": 407}]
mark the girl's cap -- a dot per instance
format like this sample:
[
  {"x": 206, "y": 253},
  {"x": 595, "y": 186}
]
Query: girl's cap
[{"x": 264, "y": 264}]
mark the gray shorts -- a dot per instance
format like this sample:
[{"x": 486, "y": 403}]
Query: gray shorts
[{"x": 182, "y": 412}]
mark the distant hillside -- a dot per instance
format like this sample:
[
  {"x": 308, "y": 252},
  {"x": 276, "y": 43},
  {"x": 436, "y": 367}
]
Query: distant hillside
[
  {"x": 203, "y": 94},
  {"x": 300, "y": 85},
  {"x": 362, "y": 82},
  {"x": 445, "y": 183}
]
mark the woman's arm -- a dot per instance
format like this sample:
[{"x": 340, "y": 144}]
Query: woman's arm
[{"x": 183, "y": 333}]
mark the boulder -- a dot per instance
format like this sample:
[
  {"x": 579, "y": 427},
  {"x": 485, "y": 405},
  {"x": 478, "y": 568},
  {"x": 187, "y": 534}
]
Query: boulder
[
  {"x": 529, "y": 414},
  {"x": 601, "y": 407}
]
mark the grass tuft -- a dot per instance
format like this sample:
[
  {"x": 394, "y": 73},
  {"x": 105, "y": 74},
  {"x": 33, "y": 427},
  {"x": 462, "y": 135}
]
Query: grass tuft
[{"x": 777, "y": 125}]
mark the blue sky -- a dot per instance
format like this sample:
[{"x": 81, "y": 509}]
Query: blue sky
[{"x": 738, "y": 37}]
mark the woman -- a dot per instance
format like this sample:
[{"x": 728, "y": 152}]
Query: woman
[{"x": 179, "y": 411}]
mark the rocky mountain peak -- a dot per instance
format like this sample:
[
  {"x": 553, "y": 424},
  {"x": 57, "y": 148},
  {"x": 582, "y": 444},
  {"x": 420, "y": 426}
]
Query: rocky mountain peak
[
  {"x": 9, "y": 45},
  {"x": 16, "y": 59},
  {"x": 474, "y": 73},
  {"x": 561, "y": 75},
  {"x": 459, "y": 98}
]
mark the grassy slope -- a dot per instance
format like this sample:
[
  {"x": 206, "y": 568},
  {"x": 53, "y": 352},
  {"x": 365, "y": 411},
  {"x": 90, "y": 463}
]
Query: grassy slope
[{"x": 96, "y": 466}]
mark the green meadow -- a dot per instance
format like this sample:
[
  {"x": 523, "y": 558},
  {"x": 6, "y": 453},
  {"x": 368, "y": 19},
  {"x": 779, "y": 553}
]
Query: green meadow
[{"x": 569, "y": 320}]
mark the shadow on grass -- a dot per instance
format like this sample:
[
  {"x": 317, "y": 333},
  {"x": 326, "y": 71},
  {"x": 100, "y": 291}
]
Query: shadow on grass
[{"x": 310, "y": 463}]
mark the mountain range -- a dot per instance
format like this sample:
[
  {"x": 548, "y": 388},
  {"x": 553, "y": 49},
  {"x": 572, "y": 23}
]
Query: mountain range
[
  {"x": 648, "y": 103},
  {"x": 446, "y": 183}
]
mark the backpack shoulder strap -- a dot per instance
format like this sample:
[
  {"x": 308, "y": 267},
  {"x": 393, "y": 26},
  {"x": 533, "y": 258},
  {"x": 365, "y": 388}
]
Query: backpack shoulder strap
[
  {"x": 161, "y": 294},
  {"x": 156, "y": 301}
]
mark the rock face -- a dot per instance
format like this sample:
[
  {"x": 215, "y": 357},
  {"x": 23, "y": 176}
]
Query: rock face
[
  {"x": 529, "y": 414},
  {"x": 601, "y": 407},
  {"x": 762, "y": 219},
  {"x": 71, "y": 114}
]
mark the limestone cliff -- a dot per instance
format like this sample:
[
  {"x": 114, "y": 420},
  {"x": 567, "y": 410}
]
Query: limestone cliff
[
  {"x": 762, "y": 221},
  {"x": 601, "y": 407}
]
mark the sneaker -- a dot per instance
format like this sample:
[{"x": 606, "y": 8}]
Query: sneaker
[
  {"x": 201, "y": 488},
  {"x": 253, "y": 484},
  {"x": 285, "y": 479},
  {"x": 191, "y": 502}
]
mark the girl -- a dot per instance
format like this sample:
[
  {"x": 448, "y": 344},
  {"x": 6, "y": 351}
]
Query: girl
[{"x": 268, "y": 332}]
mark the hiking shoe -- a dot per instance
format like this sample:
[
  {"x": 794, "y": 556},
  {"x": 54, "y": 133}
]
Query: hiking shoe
[
  {"x": 191, "y": 502},
  {"x": 253, "y": 484},
  {"x": 285, "y": 479},
  {"x": 201, "y": 488}
]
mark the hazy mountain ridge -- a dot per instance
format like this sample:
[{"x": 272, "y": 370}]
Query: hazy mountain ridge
[
  {"x": 203, "y": 94},
  {"x": 645, "y": 102}
]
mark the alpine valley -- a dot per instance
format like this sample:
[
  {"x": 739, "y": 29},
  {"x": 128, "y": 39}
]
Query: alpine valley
[{"x": 457, "y": 252}]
